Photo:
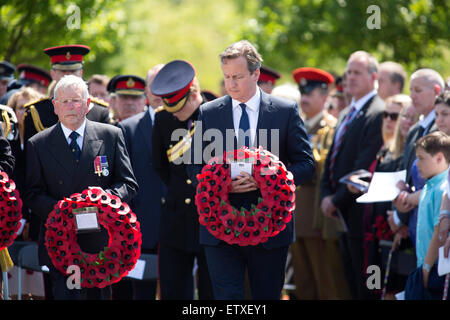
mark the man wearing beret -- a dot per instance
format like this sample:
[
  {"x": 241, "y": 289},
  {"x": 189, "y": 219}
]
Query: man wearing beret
[
  {"x": 179, "y": 89},
  {"x": 246, "y": 108},
  {"x": 356, "y": 142},
  {"x": 65, "y": 60},
  {"x": 318, "y": 271}
]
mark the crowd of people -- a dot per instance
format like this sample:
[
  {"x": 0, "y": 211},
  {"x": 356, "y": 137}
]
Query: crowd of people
[{"x": 328, "y": 126}]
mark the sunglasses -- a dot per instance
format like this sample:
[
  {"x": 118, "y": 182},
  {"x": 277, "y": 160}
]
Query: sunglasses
[{"x": 393, "y": 116}]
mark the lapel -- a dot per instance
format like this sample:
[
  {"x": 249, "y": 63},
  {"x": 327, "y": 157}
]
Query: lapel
[
  {"x": 359, "y": 117},
  {"x": 60, "y": 150},
  {"x": 225, "y": 118},
  {"x": 145, "y": 126},
  {"x": 91, "y": 148},
  {"x": 265, "y": 108}
]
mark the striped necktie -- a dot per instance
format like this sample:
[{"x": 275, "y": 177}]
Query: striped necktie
[{"x": 340, "y": 135}]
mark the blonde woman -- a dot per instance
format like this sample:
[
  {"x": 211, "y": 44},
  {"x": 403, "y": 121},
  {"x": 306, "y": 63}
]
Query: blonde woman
[{"x": 16, "y": 102}]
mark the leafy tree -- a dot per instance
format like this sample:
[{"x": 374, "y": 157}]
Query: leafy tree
[
  {"x": 323, "y": 33},
  {"x": 28, "y": 26}
]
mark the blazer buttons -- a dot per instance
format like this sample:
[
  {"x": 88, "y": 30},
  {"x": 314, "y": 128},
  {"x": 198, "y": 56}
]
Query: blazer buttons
[
  {"x": 187, "y": 200},
  {"x": 60, "y": 182},
  {"x": 188, "y": 181},
  {"x": 163, "y": 200}
]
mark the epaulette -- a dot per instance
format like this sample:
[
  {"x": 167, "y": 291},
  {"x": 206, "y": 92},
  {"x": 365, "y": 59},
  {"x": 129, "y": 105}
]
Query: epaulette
[
  {"x": 9, "y": 120},
  {"x": 100, "y": 102},
  {"x": 34, "y": 102},
  {"x": 160, "y": 108},
  {"x": 35, "y": 114}
]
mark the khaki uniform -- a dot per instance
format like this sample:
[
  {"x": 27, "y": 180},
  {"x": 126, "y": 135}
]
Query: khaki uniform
[{"x": 318, "y": 272}]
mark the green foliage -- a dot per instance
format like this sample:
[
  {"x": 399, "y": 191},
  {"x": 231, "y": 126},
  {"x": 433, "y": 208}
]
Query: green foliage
[
  {"x": 27, "y": 27},
  {"x": 323, "y": 33},
  {"x": 131, "y": 36}
]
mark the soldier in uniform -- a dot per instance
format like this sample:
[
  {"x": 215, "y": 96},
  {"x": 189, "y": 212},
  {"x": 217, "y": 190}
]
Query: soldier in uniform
[
  {"x": 318, "y": 273},
  {"x": 34, "y": 77},
  {"x": 267, "y": 79},
  {"x": 129, "y": 95},
  {"x": 40, "y": 114},
  {"x": 179, "y": 247}
]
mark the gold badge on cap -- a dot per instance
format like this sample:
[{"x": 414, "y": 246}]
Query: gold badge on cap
[
  {"x": 303, "y": 82},
  {"x": 68, "y": 55},
  {"x": 130, "y": 83}
]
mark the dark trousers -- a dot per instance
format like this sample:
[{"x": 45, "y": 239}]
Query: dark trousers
[
  {"x": 352, "y": 253},
  {"x": 266, "y": 271},
  {"x": 176, "y": 277},
  {"x": 62, "y": 292}
]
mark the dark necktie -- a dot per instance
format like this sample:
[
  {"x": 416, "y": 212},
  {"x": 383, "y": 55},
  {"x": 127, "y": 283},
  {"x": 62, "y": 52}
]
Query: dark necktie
[
  {"x": 74, "y": 145},
  {"x": 420, "y": 132},
  {"x": 340, "y": 134},
  {"x": 244, "y": 126}
]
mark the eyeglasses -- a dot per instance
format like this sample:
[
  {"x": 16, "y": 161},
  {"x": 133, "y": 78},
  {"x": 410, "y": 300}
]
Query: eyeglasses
[
  {"x": 393, "y": 115},
  {"x": 75, "y": 102}
]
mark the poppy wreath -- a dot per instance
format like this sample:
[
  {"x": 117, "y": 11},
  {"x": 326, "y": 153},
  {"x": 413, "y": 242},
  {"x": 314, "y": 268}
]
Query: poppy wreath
[
  {"x": 10, "y": 211},
  {"x": 241, "y": 226},
  {"x": 114, "y": 261}
]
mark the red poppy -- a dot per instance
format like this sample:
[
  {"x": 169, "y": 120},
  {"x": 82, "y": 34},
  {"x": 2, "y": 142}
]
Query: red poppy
[
  {"x": 62, "y": 245},
  {"x": 259, "y": 223}
]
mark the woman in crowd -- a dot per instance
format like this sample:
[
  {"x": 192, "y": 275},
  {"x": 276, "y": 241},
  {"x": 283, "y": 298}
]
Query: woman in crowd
[{"x": 17, "y": 102}]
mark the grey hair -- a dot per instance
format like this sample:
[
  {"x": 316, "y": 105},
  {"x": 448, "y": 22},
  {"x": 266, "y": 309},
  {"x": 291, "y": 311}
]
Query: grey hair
[
  {"x": 431, "y": 76},
  {"x": 71, "y": 81},
  {"x": 372, "y": 63}
]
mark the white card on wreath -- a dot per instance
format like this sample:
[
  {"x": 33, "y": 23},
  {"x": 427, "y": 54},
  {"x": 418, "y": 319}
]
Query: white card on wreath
[
  {"x": 238, "y": 167},
  {"x": 138, "y": 271},
  {"x": 86, "y": 221}
]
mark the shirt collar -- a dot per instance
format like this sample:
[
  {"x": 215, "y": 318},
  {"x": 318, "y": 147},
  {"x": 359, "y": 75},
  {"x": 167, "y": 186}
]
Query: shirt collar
[
  {"x": 425, "y": 122},
  {"x": 438, "y": 178},
  {"x": 152, "y": 113},
  {"x": 362, "y": 101},
  {"x": 252, "y": 103},
  {"x": 80, "y": 130}
]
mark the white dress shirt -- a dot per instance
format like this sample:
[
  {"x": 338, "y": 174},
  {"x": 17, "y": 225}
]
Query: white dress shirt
[
  {"x": 252, "y": 111},
  {"x": 359, "y": 104},
  {"x": 80, "y": 131},
  {"x": 152, "y": 113}
]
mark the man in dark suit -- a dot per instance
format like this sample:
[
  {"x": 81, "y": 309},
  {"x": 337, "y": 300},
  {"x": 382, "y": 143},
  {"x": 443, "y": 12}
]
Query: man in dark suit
[
  {"x": 137, "y": 131},
  {"x": 179, "y": 248},
  {"x": 286, "y": 137},
  {"x": 355, "y": 145},
  {"x": 60, "y": 162},
  {"x": 425, "y": 86},
  {"x": 65, "y": 60}
]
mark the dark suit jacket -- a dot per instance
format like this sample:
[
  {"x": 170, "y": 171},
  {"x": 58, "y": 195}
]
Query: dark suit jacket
[
  {"x": 293, "y": 147},
  {"x": 409, "y": 155},
  {"x": 179, "y": 221},
  {"x": 409, "y": 152},
  {"x": 359, "y": 147},
  {"x": 52, "y": 174},
  {"x": 137, "y": 131}
]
